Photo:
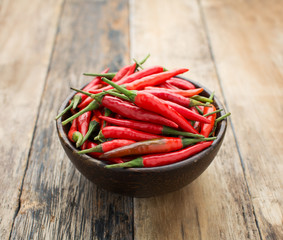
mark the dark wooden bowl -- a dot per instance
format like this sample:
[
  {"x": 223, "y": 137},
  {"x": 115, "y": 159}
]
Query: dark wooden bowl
[{"x": 142, "y": 182}]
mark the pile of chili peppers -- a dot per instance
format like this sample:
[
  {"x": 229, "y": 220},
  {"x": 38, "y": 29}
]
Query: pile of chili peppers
[{"x": 141, "y": 117}]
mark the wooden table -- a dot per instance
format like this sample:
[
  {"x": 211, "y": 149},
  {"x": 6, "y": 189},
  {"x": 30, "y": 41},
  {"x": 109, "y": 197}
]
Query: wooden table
[{"x": 232, "y": 47}]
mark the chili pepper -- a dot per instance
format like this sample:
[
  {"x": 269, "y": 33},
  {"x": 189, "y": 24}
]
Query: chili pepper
[
  {"x": 74, "y": 135},
  {"x": 83, "y": 123},
  {"x": 150, "y": 102},
  {"x": 185, "y": 93},
  {"x": 131, "y": 70},
  {"x": 124, "y": 133},
  {"x": 108, "y": 146},
  {"x": 154, "y": 79},
  {"x": 92, "y": 106},
  {"x": 133, "y": 77},
  {"x": 187, "y": 113},
  {"x": 131, "y": 111},
  {"x": 89, "y": 145},
  {"x": 79, "y": 97},
  {"x": 155, "y": 160},
  {"x": 93, "y": 124},
  {"x": 168, "y": 85},
  {"x": 161, "y": 145},
  {"x": 176, "y": 98},
  {"x": 217, "y": 121},
  {"x": 149, "y": 127},
  {"x": 206, "y": 129},
  {"x": 121, "y": 73},
  {"x": 181, "y": 83}
]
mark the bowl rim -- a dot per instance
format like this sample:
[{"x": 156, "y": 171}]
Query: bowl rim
[{"x": 171, "y": 167}]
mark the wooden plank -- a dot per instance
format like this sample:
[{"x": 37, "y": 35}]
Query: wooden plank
[
  {"x": 217, "y": 205},
  {"x": 57, "y": 202},
  {"x": 248, "y": 54},
  {"x": 26, "y": 39}
]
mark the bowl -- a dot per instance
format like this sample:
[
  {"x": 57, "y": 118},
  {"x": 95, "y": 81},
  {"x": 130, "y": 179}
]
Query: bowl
[{"x": 143, "y": 182}]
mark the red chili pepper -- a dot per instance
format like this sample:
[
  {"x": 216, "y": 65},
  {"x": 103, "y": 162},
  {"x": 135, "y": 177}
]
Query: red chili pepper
[
  {"x": 161, "y": 145},
  {"x": 121, "y": 73},
  {"x": 173, "y": 97},
  {"x": 89, "y": 145},
  {"x": 168, "y": 86},
  {"x": 131, "y": 111},
  {"x": 185, "y": 93},
  {"x": 155, "y": 160},
  {"x": 133, "y": 77},
  {"x": 74, "y": 135},
  {"x": 124, "y": 133},
  {"x": 83, "y": 123},
  {"x": 207, "y": 128},
  {"x": 148, "y": 127},
  {"x": 150, "y": 102},
  {"x": 187, "y": 113},
  {"x": 79, "y": 97},
  {"x": 130, "y": 71},
  {"x": 108, "y": 146},
  {"x": 154, "y": 79},
  {"x": 93, "y": 125},
  {"x": 181, "y": 83}
]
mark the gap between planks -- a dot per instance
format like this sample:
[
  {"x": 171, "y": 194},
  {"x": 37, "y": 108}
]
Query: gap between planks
[
  {"x": 227, "y": 107},
  {"x": 37, "y": 117}
]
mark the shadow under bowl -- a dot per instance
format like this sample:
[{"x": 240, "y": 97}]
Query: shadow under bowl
[{"x": 143, "y": 182}]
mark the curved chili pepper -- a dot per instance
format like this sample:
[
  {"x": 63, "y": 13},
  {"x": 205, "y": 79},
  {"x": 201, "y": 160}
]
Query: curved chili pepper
[
  {"x": 176, "y": 98},
  {"x": 184, "y": 93},
  {"x": 124, "y": 133},
  {"x": 131, "y": 111},
  {"x": 133, "y": 77},
  {"x": 121, "y": 73},
  {"x": 181, "y": 83},
  {"x": 161, "y": 145},
  {"x": 131, "y": 70},
  {"x": 150, "y": 102},
  {"x": 187, "y": 113},
  {"x": 207, "y": 128},
  {"x": 149, "y": 127},
  {"x": 93, "y": 125},
  {"x": 83, "y": 123},
  {"x": 155, "y": 160},
  {"x": 108, "y": 146},
  {"x": 74, "y": 135},
  {"x": 79, "y": 97},
  {"x": 154, "y": 79}
]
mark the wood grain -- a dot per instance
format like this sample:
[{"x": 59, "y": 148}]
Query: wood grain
[
  {"x": 217, "y": 205},
  {"x": 248, "y": 55},
  {"x": 57, "y": 202},
  {"x": 26, "y": 39}
]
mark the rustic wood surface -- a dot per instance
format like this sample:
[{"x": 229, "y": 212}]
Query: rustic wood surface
[{"x": 232, "y": 47}]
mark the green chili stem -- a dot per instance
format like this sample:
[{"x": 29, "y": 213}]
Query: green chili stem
[
  {"x": 106, "y": 75},
  {"x": 138, "y": 64},
  {"x": 202, "y": 99},
  {"x": 138, "y": 162},
  {"x": 65, "y": 110},
  {"x": 92, "y": 106},
  {"x": 216, "y": 111},
  {"x": 199, "y": 110}
]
